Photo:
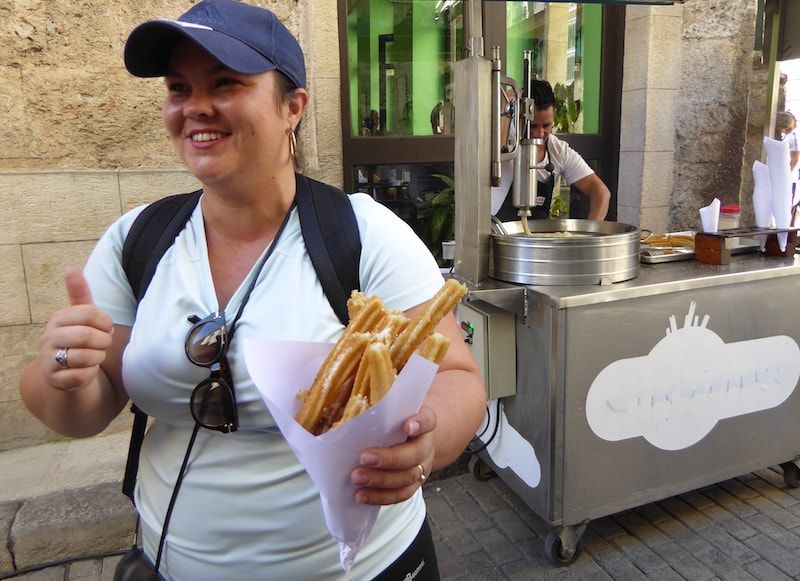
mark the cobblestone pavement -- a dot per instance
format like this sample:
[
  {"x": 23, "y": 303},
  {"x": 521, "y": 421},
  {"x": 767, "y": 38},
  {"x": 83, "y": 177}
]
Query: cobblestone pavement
[{"x": 744, "y": 528}]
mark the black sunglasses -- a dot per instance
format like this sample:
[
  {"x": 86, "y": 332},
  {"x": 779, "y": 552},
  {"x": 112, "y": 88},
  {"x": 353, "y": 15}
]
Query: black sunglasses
[{"x": 213, "y": 401}]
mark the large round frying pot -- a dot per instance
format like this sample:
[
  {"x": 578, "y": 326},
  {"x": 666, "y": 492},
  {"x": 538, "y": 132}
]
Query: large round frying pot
[{"x": 594, "y": 252}]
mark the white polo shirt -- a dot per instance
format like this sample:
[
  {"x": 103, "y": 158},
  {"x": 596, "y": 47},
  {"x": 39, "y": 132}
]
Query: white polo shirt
[{"x": 567, "y": 164}]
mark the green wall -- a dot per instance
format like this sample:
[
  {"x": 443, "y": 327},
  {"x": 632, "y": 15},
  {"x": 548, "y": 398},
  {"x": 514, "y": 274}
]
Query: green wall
[
  {"x": 427, "y": 80},
  {"x": 592, "y": 49}
]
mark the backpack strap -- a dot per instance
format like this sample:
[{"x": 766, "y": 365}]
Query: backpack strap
[
  {"x": 330, "y": 233},
  {"x": 153, "y": 231}
]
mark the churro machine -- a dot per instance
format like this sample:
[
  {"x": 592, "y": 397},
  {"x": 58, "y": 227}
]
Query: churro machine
[{"x": 610, "y": 384}]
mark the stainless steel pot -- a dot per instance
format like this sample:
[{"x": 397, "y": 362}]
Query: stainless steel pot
[{"x": 596, "y": 253}]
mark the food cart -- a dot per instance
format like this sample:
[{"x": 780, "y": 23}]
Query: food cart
[{"x": 613, "y": 384}]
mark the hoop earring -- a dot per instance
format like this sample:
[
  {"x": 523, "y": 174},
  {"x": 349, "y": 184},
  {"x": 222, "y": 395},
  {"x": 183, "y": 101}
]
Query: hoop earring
[{"x": 292, "y": 146}]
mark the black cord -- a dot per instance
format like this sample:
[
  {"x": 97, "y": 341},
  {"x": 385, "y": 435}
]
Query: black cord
[
  {"x": 174, "y": 497},
  {"x": 488, "y": 423},
  {"x": 494, "y": 432}
]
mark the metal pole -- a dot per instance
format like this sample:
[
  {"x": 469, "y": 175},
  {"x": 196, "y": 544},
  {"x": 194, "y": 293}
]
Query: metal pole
[
  {"x": 496, "y": 68},
  {"x": 473, "y": 28}
]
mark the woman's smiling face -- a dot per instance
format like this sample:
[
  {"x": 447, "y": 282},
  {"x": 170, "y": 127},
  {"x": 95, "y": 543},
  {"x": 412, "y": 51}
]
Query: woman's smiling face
[{"x": 224, "y": 124}]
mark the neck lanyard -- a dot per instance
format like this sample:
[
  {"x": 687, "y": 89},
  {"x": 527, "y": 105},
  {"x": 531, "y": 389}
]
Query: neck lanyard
[{"x": 184, "y": 464}]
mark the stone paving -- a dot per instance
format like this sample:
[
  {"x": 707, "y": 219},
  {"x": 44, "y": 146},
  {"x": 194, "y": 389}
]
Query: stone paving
[{"x": 743, "y": 528}]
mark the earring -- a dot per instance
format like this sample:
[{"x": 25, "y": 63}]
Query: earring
[{"x": 292, "y": 145}]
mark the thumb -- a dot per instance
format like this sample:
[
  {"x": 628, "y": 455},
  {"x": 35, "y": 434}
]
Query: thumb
[{"x": 77, "y": 287}]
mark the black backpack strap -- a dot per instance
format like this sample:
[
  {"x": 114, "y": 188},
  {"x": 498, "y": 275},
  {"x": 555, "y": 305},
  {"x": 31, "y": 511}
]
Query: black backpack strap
[
  {"x": 134, "y": 450},
  {"x": 330, "y": 232},
  {"x": 153, "y": 231}
]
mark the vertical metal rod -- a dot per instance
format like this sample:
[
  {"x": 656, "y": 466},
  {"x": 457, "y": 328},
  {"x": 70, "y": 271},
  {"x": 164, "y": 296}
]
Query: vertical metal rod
[
  {"x": 473, "y": 28},
  {"x": 526, "y": 84},
  {"x": 496, "y": 67}
]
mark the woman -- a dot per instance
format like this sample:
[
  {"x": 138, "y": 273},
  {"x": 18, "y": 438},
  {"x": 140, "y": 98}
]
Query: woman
[{"x": 246, "y": 509}]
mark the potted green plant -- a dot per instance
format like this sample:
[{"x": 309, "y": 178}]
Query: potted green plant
[
  {"x": 558, "y": 207},
  {"x": 436, "y": 216},
  {"x": 568, "y": 109}
]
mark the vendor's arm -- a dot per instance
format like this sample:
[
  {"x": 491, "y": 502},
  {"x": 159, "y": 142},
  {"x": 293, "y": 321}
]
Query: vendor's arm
[
  {"x": 794, "y": 157},
  {"x": 82, "y": 400},
  {"x": 438, "y": 434},
  {"x": 598, "y": 194}
]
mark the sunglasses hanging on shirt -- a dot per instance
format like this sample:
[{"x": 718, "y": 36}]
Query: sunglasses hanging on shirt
[{"x": 213, "y": 400}]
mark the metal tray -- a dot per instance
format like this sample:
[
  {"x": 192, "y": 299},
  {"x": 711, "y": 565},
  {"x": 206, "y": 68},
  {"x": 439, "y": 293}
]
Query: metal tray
[{"x": 657, "y": 255}]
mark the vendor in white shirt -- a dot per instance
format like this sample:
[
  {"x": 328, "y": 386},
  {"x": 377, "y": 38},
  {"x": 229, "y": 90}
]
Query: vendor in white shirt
[{"x": 559, "y": 159}]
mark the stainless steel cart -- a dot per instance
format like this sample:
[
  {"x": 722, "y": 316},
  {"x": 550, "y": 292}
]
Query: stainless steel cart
[{"x": 566, "y": 336}]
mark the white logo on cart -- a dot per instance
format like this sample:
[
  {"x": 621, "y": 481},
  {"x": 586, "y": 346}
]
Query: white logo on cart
[
  {"x": 691, "y": 379},
  {"x": 508, "y": 449}
]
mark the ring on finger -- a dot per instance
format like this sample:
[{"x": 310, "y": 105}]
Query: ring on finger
[
  {"x": 62, "y": 358},
  {"x": 422, "y": 476}
]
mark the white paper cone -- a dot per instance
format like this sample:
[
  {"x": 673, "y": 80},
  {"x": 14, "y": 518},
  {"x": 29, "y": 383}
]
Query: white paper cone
[
  {"x": 781, "y": 184},
  {"x": 709, "y": 217},
  {"x": 282, "y": 368},
  {"x": 762, "y": 198}
]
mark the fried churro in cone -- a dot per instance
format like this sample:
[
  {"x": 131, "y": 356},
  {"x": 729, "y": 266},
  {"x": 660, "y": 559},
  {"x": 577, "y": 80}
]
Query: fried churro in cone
[
  {"x": 381, "y": 372},
  {"x": 364, "y": 363},
  {"x": 434, "y": 348},
  {"x": 326, "y": 387},
  {"x": 422, "y": 326}
]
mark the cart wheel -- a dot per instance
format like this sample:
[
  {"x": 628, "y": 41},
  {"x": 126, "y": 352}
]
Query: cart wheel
[
  {"x": 480, "y": 469},
  {"x": 556, "y": 552},
  {"x": 791, "y": 474}
]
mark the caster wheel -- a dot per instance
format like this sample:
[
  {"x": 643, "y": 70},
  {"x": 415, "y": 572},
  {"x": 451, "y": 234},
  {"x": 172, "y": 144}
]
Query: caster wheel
[
  {"x": 556, "y": 553},
  {"x": 480, "y": 470},
  {"x": 791, "y": 474}
]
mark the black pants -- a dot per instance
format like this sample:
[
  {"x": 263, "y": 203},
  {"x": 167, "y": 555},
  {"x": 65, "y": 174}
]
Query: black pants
[{"x": 418, "y": 561}]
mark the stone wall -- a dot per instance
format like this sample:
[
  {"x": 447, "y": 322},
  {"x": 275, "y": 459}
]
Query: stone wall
[
  {"x": 711, "y": 116},
  {"x": 650, "y": 87},
  {"x": 688, "y": 75},
  {"x": 83, "y": 142}
]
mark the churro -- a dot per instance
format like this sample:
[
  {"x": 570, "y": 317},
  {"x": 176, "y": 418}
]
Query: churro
[
  {"x": 327, "y": 386},
  {"x": 364, "y": 363},
  {"x": 686, "y": 240},
  {"x": 391, "y": 326},
  {"x": 354, "y": 303},
  {"x": 422, "y": 326},
  {"x": 381, "y": 372},
  {"x": 434, "y": 348}
]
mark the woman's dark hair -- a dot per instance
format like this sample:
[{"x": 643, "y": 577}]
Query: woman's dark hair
[
  {"x": 284, "y": 90},
  {"x": 542, "y": 94}
]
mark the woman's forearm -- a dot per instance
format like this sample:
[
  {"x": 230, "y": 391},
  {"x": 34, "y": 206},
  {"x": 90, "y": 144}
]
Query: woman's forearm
[
  {"x": 457, "y": 397},
  {"x": 77, "y": 413}
]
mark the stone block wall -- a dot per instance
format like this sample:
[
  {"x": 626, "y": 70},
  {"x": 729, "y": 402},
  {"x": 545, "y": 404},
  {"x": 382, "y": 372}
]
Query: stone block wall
[
  {"x": 649, "y": 95},
  {"x": 83, "y": 143},
  {"x": 711, "y": 118},
  {"x": 688, "y": 75}
]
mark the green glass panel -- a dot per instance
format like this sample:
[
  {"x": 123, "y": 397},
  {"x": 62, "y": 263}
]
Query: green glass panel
[
  {"x": 400, "y": 57},
  {"x": 565, "y": 40}
]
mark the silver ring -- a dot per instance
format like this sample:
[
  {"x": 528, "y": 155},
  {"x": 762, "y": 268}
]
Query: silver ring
[
  {"x": 422, "y": 476},
  {"x": 62, "y": 358}
]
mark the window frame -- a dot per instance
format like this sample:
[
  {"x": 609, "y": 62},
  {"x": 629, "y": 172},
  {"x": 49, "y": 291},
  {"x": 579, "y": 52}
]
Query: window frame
[{"x": 601, "y": 148}]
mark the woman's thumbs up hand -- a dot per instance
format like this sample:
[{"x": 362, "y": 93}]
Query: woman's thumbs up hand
[{"x": 75, "y": 339}]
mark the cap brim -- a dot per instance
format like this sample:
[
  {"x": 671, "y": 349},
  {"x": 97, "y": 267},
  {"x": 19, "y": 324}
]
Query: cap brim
[{"x": 148, "y": 49}]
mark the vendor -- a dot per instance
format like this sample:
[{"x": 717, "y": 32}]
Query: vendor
[{"x": 559, "y": 159}]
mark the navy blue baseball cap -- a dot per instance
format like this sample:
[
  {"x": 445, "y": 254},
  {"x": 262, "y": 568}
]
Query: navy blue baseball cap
[{"x": 244, "y": 38}]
